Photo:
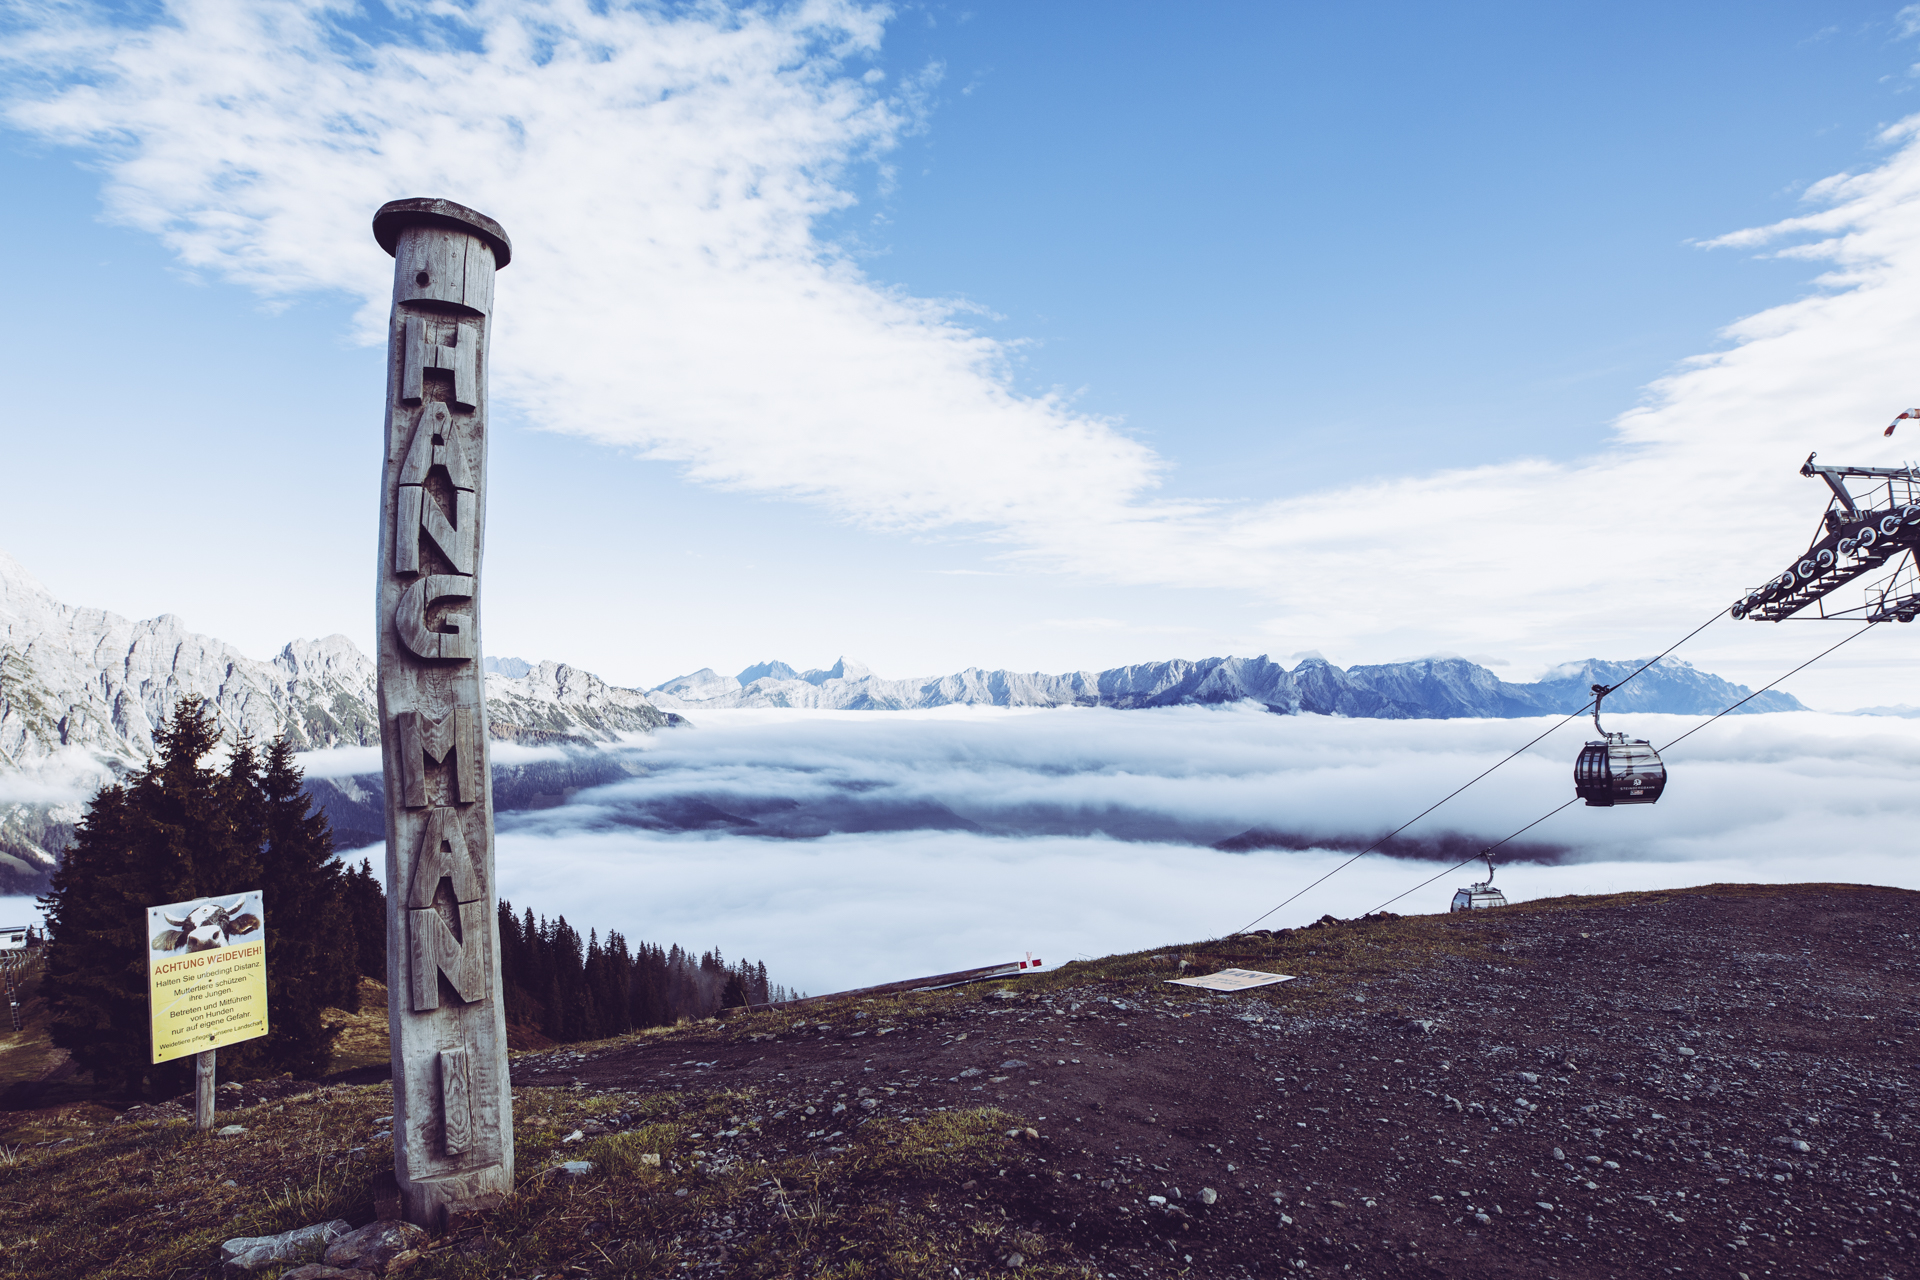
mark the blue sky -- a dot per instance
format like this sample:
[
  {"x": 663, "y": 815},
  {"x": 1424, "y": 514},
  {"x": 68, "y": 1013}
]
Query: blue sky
[
  {"x": 1324, "y": 239},
  {"x": 1014, "y": 335}
]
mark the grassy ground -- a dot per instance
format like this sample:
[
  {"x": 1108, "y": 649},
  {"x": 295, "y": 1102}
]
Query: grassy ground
[
  {"x": 360, "y": 1039},
  {"x": 156, "y": 1199},
  {"x": 84, "y": 1193}
]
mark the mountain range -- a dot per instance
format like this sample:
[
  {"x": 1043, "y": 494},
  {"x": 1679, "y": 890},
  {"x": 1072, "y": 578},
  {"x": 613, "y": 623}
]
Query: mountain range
[
  {"x": 1426, "y": 689},
  {"x": 82, "y": 690}
]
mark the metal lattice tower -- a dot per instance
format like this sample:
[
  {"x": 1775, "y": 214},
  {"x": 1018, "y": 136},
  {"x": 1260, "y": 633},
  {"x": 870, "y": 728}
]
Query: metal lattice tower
[{"x": 1865, "y": 528}]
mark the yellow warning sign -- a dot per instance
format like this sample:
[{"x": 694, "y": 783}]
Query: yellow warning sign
[{"x": 207, "y": 973}]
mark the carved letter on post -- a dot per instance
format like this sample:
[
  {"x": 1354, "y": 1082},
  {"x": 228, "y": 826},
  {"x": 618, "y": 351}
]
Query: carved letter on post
[
  {"x": 437, "y": 445},
  {"x": 453, "y": 1109},
  {"x": 443, "y": 856},
  {"x": 432, "y": 948},
  {"x": 436, "y": 952},
  {"x": 447, "y": 740},
  {"x": 454, "y": 1106},
  {"x": 423, "y": 355}
]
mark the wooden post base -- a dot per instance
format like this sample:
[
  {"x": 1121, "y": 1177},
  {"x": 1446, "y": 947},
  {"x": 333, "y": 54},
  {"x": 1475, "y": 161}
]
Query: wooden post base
[{"x": 203, "y": 1090}]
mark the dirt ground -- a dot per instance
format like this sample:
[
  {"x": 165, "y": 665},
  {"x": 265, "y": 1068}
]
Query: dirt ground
[{"x": 1712, "y": 1082}]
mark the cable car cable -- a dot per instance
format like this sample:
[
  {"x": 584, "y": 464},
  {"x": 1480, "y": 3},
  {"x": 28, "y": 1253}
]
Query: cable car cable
[
  {"x": 1717, "y": 615},
  {"x": 1576, "y": 800},
  {"x": 1757, "y": 692}
]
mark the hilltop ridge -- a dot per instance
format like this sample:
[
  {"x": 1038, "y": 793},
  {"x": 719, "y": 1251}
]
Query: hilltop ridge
[
  {"x": 1425, "y": 689},
  {"x": 1572, "y": 1089}
]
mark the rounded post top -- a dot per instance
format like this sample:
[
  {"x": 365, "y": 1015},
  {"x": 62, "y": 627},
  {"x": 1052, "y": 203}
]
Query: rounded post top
[{"x": 396, "y": 215}]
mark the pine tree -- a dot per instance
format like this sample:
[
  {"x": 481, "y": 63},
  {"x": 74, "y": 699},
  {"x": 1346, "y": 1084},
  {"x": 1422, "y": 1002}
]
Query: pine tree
[
  {"x": 174, "y": 831},
  {"x": 311, "y": 960},
  {"x": 366, "y": 905}
]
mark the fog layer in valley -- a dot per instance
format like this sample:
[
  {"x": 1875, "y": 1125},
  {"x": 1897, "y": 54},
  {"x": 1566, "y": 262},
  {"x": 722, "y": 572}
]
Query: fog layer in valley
[
  {"x": 889, "y": 844},
  {"x": 852, "y": 847}
]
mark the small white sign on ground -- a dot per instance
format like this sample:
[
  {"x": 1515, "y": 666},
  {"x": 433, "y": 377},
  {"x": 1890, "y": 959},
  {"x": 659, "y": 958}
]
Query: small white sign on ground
[{"x": 1232, "y": 980}]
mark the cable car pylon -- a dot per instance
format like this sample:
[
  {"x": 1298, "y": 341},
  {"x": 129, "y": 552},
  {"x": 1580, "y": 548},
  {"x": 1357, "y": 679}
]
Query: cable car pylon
[{"x": 1858, "y": 534}]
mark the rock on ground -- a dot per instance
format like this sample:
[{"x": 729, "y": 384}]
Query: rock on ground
[
  {"x": 378, "y": 1247},
  {"x": 244, "y": 1255}
]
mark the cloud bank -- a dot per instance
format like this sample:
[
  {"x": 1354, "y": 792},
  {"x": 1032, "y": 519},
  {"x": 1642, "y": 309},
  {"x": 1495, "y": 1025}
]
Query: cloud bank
[{"x": 882, "y": 845}]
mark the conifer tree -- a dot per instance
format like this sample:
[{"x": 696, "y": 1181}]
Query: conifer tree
[
  {"x": 311, "y": 961},
  {"x": 366, "y": 906},
  {"x": 171, "y": 832}
]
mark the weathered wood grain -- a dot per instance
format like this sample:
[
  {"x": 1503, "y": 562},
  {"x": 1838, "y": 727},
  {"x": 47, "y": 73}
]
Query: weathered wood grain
[
  {"x": 456, "y": 538},
  {"x": 435, "y": 953},
  {"x": 425, "y": 351},
  {"x": 451, "y": 739},
  {"x": 410, "y": 617},
  {"x": 443, "y": 856},
  {"x": 438, "y": 441},
  {"x": 453, "y": 1112},
  {"x": 456, "y": 1107}
]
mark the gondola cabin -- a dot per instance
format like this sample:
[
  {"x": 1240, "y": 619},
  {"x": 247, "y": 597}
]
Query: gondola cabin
[
  {"x": 1476, "y": 896},
  {"x": 1619, "y": 770}
]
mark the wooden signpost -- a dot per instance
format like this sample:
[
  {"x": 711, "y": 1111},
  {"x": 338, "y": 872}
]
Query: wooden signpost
[{"x": 452, "y": 1106}]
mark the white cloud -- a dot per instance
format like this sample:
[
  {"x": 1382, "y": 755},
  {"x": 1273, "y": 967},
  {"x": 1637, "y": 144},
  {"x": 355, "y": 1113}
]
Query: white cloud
[
  {"x": 1090, "y": 826},
  {"x": 338, "y": 762},
  {"x": 661, "y": 177},
  {"x": 68, "y": 777},
  {"x": 664, "y": 178},
  {"x": 1775, "y": 798}
]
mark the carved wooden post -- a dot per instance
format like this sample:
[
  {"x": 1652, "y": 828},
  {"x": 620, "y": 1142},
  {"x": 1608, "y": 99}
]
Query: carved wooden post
[{"x": 452, "y": 1106}]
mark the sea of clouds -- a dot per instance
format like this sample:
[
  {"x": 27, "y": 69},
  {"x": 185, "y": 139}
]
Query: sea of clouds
[
  {"x": 844, "y": 848},
  {"x": 890, "y": 844}
]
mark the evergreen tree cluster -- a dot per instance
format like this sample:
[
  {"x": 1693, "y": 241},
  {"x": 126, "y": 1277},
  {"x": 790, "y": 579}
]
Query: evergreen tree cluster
[
  {"x": 569, "y": 989},
  {"x": 563, "y": 988},
  {"x": 172, "y": 832},
  {"x": 181, "y": 829}
]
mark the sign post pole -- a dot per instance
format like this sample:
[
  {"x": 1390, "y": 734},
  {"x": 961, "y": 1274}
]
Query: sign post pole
[
  {"x": 203, "y": 1089},
  {"x": 452, "y": 1101}
]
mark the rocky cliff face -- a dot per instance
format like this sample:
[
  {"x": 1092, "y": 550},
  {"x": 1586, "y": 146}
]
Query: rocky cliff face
[
  {"x": 1430, "y": 689},
  {"x": 82, "y": 690},
  {"x": 556, "y": 703},
  {"x": 84, "y": 678}
]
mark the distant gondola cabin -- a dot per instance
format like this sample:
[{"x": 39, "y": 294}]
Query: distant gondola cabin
[{"x": 1476, "y": 897}]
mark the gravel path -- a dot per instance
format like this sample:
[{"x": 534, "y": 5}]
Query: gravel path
[{"x": 1713, "y": 1082}]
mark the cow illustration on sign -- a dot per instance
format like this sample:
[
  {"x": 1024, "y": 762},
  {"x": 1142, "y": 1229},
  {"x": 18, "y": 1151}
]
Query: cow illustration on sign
[{"x": 205, "y": 923}]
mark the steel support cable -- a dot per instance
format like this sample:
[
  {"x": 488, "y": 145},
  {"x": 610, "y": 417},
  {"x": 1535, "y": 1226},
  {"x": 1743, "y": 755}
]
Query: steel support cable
[
  {"x": 1718, "y": 614},
  {"x": 1757, "y": 692},
  {"x": 1668, "y": 747}
]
